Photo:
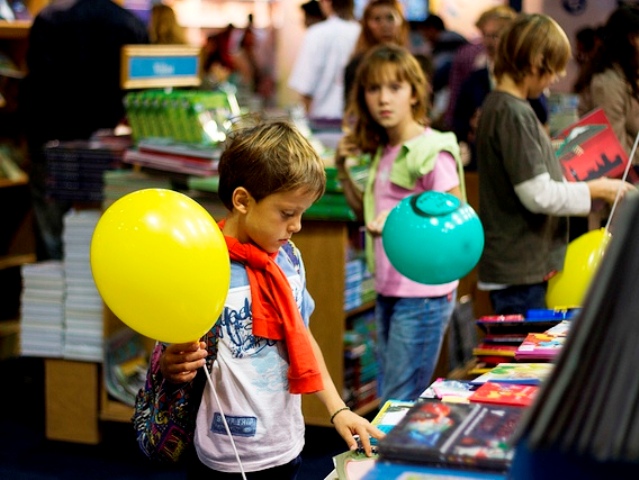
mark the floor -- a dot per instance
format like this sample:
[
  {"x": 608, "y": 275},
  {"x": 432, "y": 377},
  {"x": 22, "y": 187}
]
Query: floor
[{"x": 25, "y": 453}]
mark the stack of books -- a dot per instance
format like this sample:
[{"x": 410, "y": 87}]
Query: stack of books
[
  {"x": 42, "y": 315},
  {"x": 544, "y": 346},
  {"x": 360, "y": 362},
  {"x": 83, "y": 305},
  {"x": 118, "y": 183},
  {"x": 75, "y": 168},
  {"x": 455, "y": 430},
  {"x": 504, "y": 335},
  {"x": 166, "y": 155}
]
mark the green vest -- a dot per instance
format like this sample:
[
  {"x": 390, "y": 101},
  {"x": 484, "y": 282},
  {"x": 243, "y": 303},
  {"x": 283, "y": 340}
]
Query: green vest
[{"x": 416, "y": 158}]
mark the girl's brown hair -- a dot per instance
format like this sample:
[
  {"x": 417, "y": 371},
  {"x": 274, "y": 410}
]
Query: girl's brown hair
[
  {"x": 366, "y": 40},
  {"x": 382, "y": 64}
]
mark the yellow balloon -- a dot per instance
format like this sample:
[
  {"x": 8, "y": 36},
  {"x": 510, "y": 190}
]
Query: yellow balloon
[
  {"x": 583, "y": 255},
  {"x": 161, "y": 265}
]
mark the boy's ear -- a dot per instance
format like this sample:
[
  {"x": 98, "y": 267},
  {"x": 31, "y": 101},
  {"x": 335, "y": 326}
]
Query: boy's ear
[{"x": 241, "y": 199}]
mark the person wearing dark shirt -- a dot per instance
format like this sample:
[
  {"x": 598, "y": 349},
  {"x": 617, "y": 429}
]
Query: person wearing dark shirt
[{"x": 72, "y": 89}]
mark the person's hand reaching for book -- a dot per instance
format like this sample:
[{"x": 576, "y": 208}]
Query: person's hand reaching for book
[
  {"x": 180, "y": 361},
  {"x": 608, "y": 188},
  {"x": 350, "y": 426}
]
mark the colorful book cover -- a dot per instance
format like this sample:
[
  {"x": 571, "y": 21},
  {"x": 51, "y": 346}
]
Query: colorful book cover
[
  {"x": 505, "y": 394},
  {"x": 561, "y": 329},
  {"x": 474, "y": 436},
  {"x": 589, "y": 149},
  {"x": 353, "y": 464},
  {"x": 390, "y": 414},
  {"x": 540, "y": 346},
  {"x": 400, "y": 471},
  {"x": 449, "y": 390},
  {"x": 525, "y": 373}
]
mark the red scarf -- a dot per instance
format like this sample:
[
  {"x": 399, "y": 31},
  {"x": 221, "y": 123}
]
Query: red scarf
[{"x": 276, "y": 315}]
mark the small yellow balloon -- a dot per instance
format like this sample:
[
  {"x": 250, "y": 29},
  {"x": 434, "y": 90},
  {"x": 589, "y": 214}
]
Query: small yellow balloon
[
  {"x": 583, "y": 256},
  {"x": 161, "y": 264}
]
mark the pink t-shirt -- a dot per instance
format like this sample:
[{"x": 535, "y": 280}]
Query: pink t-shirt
[{"x": 442, "y": 178}]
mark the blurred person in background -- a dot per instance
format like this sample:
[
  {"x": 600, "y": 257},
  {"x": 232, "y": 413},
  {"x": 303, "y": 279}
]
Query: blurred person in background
[
  {"x": 612, "y": 81},
  {"x": 164, "y": 28},
  {"x": 71, "y": 90},
  {"x": 318, "y": 71},
  {"x": 383, "y": 21},
  {"x": 312, "y": 13}
]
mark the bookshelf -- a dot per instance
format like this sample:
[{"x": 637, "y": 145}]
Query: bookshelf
[{"x": 324, "y": 246}]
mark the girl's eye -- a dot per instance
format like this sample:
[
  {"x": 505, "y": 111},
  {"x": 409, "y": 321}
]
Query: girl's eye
[
  {"x": 372, "y": 88},
  {"x": 288, "y": 214}
]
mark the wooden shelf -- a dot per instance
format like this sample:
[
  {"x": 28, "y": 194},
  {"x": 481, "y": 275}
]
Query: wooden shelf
[
  {"x": 10, "y": 261},
  {"x": 115, "y": 411},
  {"x": 15, "y": 30}
]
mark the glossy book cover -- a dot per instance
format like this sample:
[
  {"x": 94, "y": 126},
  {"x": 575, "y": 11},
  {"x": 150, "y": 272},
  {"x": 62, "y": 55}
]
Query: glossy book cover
[{"x": 474, "y": 436}]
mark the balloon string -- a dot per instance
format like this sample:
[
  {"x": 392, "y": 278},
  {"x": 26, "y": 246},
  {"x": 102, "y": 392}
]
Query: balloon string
[
  {"x": 625, "y": 175},
  {"x": 226, "y": 426}
]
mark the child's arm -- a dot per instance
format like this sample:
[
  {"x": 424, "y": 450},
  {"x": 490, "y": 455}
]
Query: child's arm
[
  {"x": 180, "y": 361},
  {"x": 346, "y": 423},
  {"x": 354, "y": 196}
]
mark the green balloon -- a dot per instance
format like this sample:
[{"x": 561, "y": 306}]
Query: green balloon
[{"x": 433, "y": 238}]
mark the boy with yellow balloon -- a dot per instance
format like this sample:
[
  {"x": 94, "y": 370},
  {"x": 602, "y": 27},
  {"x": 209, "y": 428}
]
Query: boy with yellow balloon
[{"x": 176, "y": 287}]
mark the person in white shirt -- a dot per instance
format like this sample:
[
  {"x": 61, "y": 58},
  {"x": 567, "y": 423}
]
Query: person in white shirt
[{"x": 318, "y": 72}]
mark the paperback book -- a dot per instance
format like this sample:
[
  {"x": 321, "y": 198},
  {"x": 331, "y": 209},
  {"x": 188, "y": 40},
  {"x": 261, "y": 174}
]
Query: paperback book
[
  {"x": 390, "y": 415},
  {"x": 531, "y": 373},
  {"x": 449, "y": 390},
  {"x": 589, "y": 149},
  {"x": 515, "y": 324},
  {"x": 539, "y": 346},
  {"x": 454, "y": 435},
  {"x": 505, "y": 394}
]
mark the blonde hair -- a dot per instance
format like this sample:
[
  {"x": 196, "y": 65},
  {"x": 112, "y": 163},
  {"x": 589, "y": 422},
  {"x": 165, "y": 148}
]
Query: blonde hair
[
  {"x": 532, "y": 41},
  {"x": 500, "y": 12},
  {"x": 163, "y": 26},
  {"x": 381, "y": 64},
  {"x": 269, "y": 158},
  {"x": 366, "y": 40}
]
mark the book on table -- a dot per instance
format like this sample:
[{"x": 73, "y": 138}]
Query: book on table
[
  {"x": 453, "y": 435},
  {"x": 390, "y": 415},
  {"x": 539, "y": 347},
  {"x": 527, "y": 373},
  {"x": 505, "y": 394},
  {"x": 449, "y": 390}
]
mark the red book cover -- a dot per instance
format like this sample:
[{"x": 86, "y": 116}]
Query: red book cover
[
  {"x": 589, "y": 149},
  {"x": 505, "y": 394}
]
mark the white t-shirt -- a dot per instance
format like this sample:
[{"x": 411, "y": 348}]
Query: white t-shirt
[
  {"x": 319, "y": 67},
  {"x": 250, "y": 378}
]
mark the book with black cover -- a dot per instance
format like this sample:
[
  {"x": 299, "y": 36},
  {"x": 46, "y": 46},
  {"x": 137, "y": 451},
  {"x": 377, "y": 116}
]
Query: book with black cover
[{"x": 475, "y": 436}]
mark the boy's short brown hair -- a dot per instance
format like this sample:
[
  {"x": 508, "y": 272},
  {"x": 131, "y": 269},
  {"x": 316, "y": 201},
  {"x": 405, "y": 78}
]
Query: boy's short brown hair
[
  {"x": 269, "y": 158},
  {"x": 532, "y": 40}
]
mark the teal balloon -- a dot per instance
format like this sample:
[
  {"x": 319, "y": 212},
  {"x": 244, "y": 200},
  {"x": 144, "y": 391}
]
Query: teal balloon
[{"x": 433, "y": 238}]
